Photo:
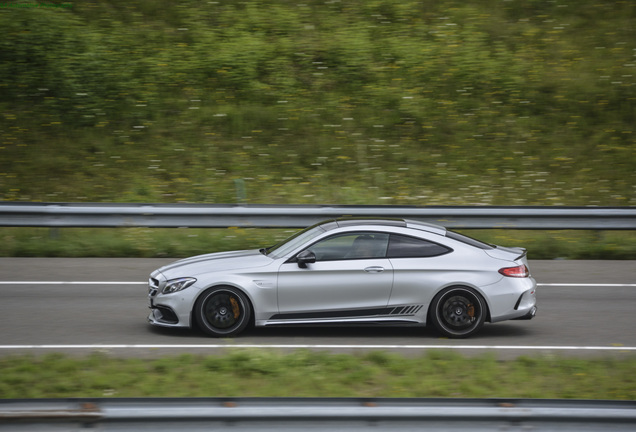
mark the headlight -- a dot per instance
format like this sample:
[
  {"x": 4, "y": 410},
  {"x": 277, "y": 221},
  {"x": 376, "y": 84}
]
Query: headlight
[{"x": 175, "y": 285}]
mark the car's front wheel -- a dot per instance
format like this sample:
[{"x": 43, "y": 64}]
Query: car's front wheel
[
  {"x": 222, "y": 311},
  {"x": 458, "y": 312}
]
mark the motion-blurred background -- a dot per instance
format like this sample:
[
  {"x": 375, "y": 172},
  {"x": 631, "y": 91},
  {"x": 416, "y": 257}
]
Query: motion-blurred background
[
  {"x": 440, "y": 102},
  {"x": 344, "y": 102}
]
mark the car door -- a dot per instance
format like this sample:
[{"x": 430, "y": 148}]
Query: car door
[{"x": 351, "y": 278}]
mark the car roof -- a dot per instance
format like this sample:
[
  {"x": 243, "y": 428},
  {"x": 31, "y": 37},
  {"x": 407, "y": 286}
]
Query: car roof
[{"x": 395, "y": 222}]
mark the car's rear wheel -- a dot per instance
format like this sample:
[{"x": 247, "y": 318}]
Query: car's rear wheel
[
  {"x": 458, "y": 312},
  {"x": 223, "y": 311}
]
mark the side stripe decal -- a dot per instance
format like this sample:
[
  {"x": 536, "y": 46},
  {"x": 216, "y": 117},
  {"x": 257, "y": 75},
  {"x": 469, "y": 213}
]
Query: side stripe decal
[{"x": 388, "y": 311}]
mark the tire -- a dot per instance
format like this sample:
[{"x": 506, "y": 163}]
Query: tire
[
  {"x": 223, "y": 311},
  {"x": 458, "y": 312}
]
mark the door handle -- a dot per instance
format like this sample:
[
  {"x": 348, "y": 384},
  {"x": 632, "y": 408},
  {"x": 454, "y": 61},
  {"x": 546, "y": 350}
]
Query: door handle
[{"x": 374, "y": 269}]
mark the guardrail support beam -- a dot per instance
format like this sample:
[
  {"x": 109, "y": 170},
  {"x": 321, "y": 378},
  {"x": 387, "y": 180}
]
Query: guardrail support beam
[{"x": 264, "y": 216}]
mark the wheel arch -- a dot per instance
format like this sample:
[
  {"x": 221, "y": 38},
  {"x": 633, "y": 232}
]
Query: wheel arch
[
  {"x": 481, "y": 294},
  {"x": 193, "y": 321}
]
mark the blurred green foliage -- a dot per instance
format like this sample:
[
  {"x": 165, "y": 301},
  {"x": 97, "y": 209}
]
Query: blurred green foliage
[
  {"x": 304, "y": 373},
  {"x": 182, "y": 242},
  {"x": 350, "y": 102}
]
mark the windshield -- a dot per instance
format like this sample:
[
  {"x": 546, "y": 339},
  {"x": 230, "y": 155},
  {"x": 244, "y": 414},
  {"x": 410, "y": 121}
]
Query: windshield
[{"x": 296, "y": 240}]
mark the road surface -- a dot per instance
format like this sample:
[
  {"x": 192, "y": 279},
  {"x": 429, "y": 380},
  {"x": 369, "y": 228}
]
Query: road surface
[{"x": 78, "y": 306}]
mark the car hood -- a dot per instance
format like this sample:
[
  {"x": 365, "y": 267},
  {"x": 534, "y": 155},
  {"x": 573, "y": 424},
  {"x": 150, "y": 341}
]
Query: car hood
[{"x": 220, "y": 261}]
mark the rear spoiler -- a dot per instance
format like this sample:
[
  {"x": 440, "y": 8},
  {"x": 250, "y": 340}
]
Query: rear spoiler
[{"x": 524, "y": 252}]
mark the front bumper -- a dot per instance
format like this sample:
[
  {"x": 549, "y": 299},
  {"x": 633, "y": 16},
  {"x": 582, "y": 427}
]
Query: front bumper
[
  {"x": 167, "y": 310},
  {"x": 162, "y": 315}
]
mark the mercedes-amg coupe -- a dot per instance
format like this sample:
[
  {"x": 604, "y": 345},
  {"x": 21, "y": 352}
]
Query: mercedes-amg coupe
[{"x": 349, "y": 271}]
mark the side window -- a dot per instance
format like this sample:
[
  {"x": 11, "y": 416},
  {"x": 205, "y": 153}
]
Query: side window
[
  {"x": 351, "y": 246},
  {"x": 402, "y": 246}
]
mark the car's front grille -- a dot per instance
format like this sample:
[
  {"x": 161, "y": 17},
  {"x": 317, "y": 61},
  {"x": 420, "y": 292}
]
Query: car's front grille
[{"x": 153, "y": 287}]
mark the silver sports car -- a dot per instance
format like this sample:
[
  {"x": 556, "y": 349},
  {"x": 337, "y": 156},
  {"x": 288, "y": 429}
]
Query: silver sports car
[{"x": 349, "y": 271}]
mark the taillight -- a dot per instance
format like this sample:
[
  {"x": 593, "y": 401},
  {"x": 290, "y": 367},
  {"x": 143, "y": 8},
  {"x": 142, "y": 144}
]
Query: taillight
[{"x": 518, "y": 271}]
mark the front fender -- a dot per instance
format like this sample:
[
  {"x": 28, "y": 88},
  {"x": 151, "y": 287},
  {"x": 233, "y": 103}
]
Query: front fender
[{"x": 260, "y": 291}]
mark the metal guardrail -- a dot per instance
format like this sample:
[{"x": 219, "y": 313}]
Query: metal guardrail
[
  {"x": 316, "y": 414},
  {"x": 290, "y": 216}
]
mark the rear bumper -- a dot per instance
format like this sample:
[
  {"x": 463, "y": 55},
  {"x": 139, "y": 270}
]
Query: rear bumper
[
  {"x": 512, "y": 298},
  {"x": 531, "y": 314}
]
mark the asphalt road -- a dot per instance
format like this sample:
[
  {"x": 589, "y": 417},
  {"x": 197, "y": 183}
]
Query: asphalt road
[{"x": 586, "y": 308}]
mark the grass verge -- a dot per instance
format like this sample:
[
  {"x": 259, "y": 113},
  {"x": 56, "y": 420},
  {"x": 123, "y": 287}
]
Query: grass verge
[
  {"x": 250, "y": 373},
  {"x": 182, "y": 242}
]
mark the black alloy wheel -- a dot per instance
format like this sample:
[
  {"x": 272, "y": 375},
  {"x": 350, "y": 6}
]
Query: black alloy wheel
[
  {"x": 222, "y": 311},
  {"x": 458, "y": 312}
]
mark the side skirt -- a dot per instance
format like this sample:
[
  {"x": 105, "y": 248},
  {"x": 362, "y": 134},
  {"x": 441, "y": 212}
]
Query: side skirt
[{"x": 395, "y": 312}]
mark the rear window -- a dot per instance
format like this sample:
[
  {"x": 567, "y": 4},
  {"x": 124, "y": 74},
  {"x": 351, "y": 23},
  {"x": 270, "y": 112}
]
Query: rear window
[
  {"x": 410, "y": 247},
  {"x": 469, "y": 240}
]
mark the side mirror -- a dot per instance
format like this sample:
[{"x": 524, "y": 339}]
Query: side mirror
[{"x": 305, "y": 257}]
